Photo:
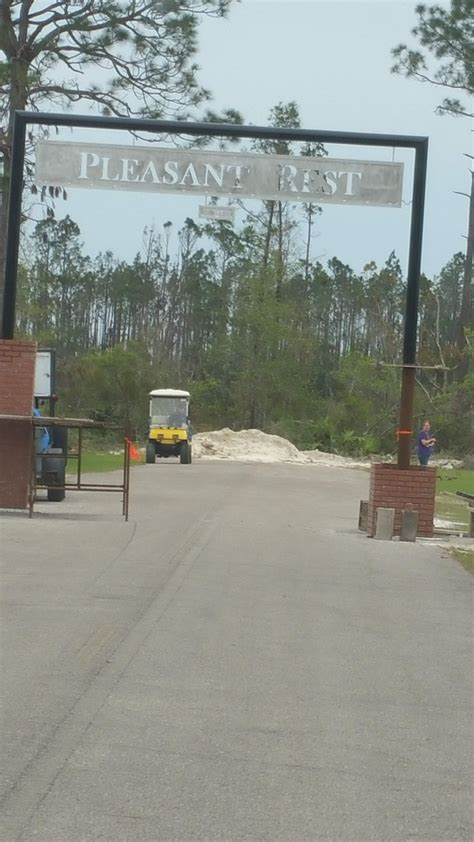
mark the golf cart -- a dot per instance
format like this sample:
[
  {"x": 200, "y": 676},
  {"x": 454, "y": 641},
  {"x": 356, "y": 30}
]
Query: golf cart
[{"x": 169, "y": 430}]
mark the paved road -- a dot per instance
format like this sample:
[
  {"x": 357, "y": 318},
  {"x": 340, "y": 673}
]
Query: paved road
[{"x": 236, "y": 663}]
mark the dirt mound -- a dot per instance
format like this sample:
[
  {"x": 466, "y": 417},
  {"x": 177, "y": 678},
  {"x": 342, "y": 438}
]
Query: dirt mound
[
  {"x": 245, "y": 446},
  {"x": 255, "y": 446}
]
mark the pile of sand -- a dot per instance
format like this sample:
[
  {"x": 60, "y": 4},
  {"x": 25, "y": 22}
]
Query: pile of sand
[
  {"x": 255, "y": 446},
  {"x": 449, "y": 464},
  {"x": 245, "y": 446}
]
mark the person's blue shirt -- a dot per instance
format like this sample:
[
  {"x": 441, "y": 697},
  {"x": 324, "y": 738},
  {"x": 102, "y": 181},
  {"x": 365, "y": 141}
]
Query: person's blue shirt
[
  {"x": 424, "y": 449},
  {"x": 44, "y": 438}
]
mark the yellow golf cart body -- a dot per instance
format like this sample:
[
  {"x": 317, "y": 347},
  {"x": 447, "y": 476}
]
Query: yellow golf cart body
[{"x": 169, "y": 431}]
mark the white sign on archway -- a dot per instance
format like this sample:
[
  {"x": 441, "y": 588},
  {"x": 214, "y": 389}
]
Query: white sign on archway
[{"x": 269, "y": 177}]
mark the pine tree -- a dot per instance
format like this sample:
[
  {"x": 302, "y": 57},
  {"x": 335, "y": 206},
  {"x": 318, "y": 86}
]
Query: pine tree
[{"x": 142, "y": 54}]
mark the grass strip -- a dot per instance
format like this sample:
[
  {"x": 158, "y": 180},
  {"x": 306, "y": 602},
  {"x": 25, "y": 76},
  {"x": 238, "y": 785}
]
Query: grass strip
[{"x": 465, "y": 557}]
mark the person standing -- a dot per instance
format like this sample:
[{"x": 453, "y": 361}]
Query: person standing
[{"x": 426, "y": 443}]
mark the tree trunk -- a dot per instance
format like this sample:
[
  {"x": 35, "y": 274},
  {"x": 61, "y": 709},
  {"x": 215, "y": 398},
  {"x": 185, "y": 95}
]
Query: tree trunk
[
  {"x": 465, "y": 316},
  {"x": 18, "y": 99},
  {"x": 279, "y": 279},
  {"x": 266, "y": 252},
  {"x": 438, "y": 345},
  {"x": 308, "y": 244}
]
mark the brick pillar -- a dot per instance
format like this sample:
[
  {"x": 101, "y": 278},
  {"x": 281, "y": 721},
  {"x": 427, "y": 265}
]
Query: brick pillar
[
  {"x": 392, "y": 488},
  {"x": 17, "y": 380}
]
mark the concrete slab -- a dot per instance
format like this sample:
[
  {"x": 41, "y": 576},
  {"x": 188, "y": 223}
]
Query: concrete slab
[{"x": 236, "y": 663}]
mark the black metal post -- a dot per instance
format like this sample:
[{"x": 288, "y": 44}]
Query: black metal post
[
  {"x": 13, "y": 225},
  {"x": 181, "y": 127},
  {"x": 411, "y": 306},
  {"x": 126, "y": 475},
  {"x": 79, "y": 457}
]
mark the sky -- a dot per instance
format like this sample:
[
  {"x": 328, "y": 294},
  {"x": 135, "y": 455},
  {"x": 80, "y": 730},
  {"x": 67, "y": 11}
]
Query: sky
[{"x": 333, "y": 58}]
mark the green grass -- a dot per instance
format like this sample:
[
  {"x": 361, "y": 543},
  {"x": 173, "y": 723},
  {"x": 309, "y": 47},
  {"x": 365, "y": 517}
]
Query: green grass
[
  {"x": 456, "y": 480},
  {"x": 94, "y": 461},
  {"x": 449, "y": 506},
  {"x": 453, "y": 509},
  {"x": 466, "y": 558}
]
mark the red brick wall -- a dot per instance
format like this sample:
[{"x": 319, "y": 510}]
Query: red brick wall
[
  {"x": 414, "y": 489},
  {"x": 17, "y": 378}
]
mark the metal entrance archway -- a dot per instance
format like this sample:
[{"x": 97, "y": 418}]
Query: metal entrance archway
[{"x": 418, "y": 144}]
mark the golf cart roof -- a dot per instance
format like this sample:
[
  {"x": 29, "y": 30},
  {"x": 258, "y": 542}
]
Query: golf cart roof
[{"x": 169, "y": 393}]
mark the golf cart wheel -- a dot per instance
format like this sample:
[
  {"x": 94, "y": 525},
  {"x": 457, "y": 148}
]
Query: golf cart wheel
[
  {"x": 150, "y": 453},
  {"x": 185, "y": 453},
  {"x": 54, "y": 471}
]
